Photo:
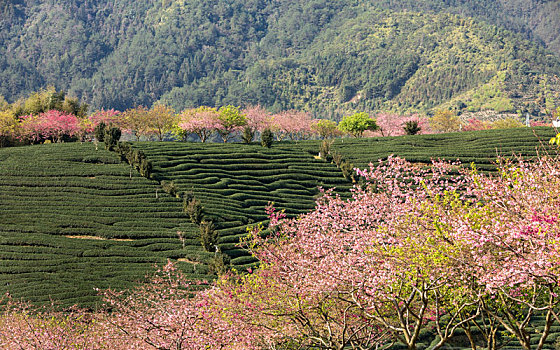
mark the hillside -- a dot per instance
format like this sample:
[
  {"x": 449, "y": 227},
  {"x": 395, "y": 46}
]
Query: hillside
[
  {"x": 321, "y": 56},
  {"x": 73, "y": 218}
]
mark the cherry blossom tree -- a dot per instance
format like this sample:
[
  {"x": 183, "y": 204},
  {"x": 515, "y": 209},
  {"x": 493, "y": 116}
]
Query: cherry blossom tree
[
  {"x": 293, "y": 124},
  {"x": 258, "y": 120},
  {"x": 436, "y": 249},
  {"x": 23, "y": 326},
  {"x": 391, "y": 124},
  {"x": 202, "y": 121},
  {"x": 110, "y": 117},
  {"x": 52, "y": 124},
  {"x": 416, "y": 245},
  {"x": 474, "y": 124}
]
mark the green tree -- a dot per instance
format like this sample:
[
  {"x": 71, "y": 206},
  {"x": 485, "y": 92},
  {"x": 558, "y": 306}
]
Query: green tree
[
  {"x": 161, "y": 119},
  {"x": 230, "y": 119},
  {"x": 445, "y": 121},
  {"x": 357, "y": 123},
  {"x": 99, "y": 131},
  {"x": 325, "y": 128},
  {"x": 266, "y": 138},
  {"x": 411, "y": 127},
  {"x": 111, "y": 137}
]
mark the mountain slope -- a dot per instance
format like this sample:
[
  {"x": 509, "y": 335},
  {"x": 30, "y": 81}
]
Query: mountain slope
[{"x": 312, "y": 55}]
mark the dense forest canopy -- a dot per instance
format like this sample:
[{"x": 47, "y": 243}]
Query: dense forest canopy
[{"x": 325, "y": 57}]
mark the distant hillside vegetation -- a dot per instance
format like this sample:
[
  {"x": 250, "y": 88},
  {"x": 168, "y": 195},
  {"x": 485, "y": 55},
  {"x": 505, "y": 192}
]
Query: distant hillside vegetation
[{"x": 327, "y": 57}]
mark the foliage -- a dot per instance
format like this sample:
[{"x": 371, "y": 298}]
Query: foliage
[
  {"x": 474, "y": 124},
  {"x": 24, "y": 326},
  {"x": 111, "y": 137},
  {"x": 412, "y": 127},
  {"x": 357, "y": 123},
  {"x": 248, "y": 135},
  {"x": 53, "y": 125},
  {"x": 193, "y": 208},
  {"x": 201, "y": 121},
  {"x": 325, "y": 150},
  {"x": 161, "y": 120},
  {"x": 293, "y": 124},
  {"x": 435, "y": 251},
  {"x": 406, "y": 55},
  {"x": 325, "y": 128},
  {"x": 230, "y": 119},
  {"x": 136, "y": 121},
  {"x": 49, "y": 99},
  {"x": 109, "y": 117},
  {"x": 258, "y": 118},
  {"x": 208, "y": 236},
  {"x": 99, "y": 131},
  {"x": 507, "y": 123},
  {"x": 170, "y": 187},
  {"x": 347, "y": 169},
  {"x": 555, "y": 140},
  {"x": 445, "y": 121},
  {"x": 88, "y": 221},
  {"x": 8, "y": 128},
  {"x": 267, "y": 137}
]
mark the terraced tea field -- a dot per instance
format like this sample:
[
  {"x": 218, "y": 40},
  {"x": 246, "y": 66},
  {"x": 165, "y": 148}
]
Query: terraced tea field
[
  {"x": 73, "y": 219},
  {"x": 480, "y": 147},
  {"x": 235, "y": 182}
]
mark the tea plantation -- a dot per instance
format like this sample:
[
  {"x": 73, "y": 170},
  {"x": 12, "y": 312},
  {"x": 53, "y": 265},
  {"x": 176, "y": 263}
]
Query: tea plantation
[
  {"x": 480, "y": 147},
  {"x": 235, "y": 183},
  {"x": 73, "y": 218}
]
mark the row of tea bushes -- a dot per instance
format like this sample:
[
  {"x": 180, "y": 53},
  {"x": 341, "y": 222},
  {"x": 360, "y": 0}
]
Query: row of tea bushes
[
  {"x": 73, "y": 219},
  {"x": 235, "y": 183},
  {"x": 479, "y": 147}
]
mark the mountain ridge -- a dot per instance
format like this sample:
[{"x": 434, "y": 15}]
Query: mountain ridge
[{"x": 282, "y": 54}]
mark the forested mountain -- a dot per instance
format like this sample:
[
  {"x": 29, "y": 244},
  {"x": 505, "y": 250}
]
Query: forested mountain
[{"x": 328, "y": 57}]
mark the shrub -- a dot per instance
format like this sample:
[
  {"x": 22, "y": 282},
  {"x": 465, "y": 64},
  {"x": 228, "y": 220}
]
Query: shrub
[
  {"x": 208, "y": 236},
  {"x": 325, "y": 150},
  {"x": 193, "y": 208},
  {"x": 337, "y": 158},
  {"x": 347, "y": 169},
  {"x": 248, "y": 134},
  {"x": 411, "y": 127},
  {"x": 145, "y": 168},
  {"x": 111, "y": 137},
  {"x": 99, "y": 131},
  {"x": 125, "y": 151},
  {"x": 219, "y": 264},
  {"x": 169, "y": 187},
  {"x": 266, "y": 138}
]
